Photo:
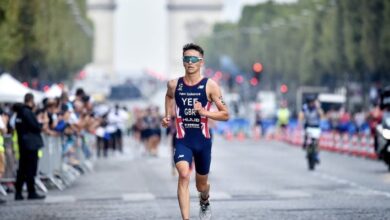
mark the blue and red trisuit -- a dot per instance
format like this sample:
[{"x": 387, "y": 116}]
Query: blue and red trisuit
[{"x": 193, "y": 138}]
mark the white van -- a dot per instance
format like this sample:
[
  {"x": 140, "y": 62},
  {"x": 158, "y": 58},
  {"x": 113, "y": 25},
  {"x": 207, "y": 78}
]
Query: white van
[{"x": 331, "y": 101}]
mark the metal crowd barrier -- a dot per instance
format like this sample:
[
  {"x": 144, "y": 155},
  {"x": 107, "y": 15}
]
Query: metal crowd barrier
[
  {"x": 53, "y": 166},
  {"x": 51, "y": 160},
  {"x": 53, "y": 169},
  {"x": 10, "y": 163}
]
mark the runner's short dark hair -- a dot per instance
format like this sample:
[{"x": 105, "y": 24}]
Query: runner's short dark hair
[{"x": 192, "y": 46}]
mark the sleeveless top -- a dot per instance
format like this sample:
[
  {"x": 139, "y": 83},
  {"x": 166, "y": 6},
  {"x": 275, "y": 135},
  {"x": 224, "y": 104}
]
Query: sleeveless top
[
  {"x": 188, "y": 122},
  {"x": 312, "y": 117}
]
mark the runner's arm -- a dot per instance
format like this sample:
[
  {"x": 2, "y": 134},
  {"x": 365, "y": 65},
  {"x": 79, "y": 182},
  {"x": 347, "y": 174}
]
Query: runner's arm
[
  {"x": 168, "y": 102},
  {"x": 216, "y": 96}
]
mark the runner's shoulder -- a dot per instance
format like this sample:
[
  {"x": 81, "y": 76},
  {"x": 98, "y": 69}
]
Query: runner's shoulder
[
  {"x": 172, "y": 83},
  {"x": 212, "y": 86},
  {"x": 211, "y": 83}
]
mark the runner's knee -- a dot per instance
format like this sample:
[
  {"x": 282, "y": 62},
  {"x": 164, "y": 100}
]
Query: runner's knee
[
  {"x": 202, "y": 186},
  {"x": 184, "y": 175}
]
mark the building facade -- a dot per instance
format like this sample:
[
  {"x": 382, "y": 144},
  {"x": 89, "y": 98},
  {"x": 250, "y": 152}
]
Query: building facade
[
  {"x": 187, "y": 20},
  {"x": 101, "y": 12},
  {"x": 101, "y": 69}
]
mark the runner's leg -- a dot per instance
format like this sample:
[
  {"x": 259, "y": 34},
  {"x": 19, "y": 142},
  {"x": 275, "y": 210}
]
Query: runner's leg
[
  {"x": 183, "y": 191},
  {"x": 202, "y": 160},
  {"x": 183, "y": 159},
  {"x": 202, "y": 186}
]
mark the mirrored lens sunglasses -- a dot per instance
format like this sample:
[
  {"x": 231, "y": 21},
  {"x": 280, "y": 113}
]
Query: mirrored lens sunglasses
[{"x": 192, "y": 59}]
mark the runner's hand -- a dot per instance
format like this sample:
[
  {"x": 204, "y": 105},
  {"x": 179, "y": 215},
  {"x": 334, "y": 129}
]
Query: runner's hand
[
  {"x": 166, "y": 121},
  {"x": 198, "y": 107}
]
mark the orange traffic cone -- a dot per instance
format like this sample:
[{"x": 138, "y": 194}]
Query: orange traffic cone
[
  {"x": 241, "y": 136},
  {"x": 228, "y": 135}
]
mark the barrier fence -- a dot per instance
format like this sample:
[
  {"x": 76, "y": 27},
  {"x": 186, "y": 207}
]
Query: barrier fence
[
  {"x": 58, "y": 166},
  {"x": 360, "y": 145}
]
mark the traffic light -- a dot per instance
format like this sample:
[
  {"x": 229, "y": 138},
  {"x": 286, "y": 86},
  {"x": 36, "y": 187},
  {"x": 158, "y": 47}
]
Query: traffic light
[
  {"x": 239, "y": 79},
  {"x": 46, "y": 87},
  {"x": 283, "y": 88},
  {"x": 254, "y": 81},
  {"x": 257, "y": 67}
]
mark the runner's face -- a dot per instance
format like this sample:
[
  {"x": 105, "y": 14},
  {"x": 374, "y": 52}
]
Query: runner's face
[{"x": 190, "y": 67}]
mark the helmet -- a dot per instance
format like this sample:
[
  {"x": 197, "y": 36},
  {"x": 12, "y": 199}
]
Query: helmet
[{"x": 310, "y": 98}]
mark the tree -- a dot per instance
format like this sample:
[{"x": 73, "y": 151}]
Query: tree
[
  {"x": 322, "y": 42},
  {"x": 42, "y": 39}
]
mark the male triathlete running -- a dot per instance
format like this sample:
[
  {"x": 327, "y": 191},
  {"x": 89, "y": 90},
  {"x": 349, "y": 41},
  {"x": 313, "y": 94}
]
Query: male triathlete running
[{"x": 193, "y": 95}]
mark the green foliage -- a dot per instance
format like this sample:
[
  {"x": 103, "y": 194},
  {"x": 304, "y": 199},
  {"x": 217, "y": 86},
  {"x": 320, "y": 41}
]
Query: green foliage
[
  {"x": 42, "y": 39},
  {"x": 312, "y": 42},
  {"x": 10, "y": 35},
  {"x": 384, "y": 42}
]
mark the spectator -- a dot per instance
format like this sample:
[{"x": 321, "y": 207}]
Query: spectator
[
  {"x": 30, "y": 141},
  {"x": 116, "y": 120},
  {"x": 375, "y": 118},
  {"x": 51, "y": 109},
  {"x": 71, "y": 133},
  {"x": 102, "y": 140},
  {"x": 151, "y": 131},
  {"x": 64, "y": 99},
  {"x": 333, "y": 116},
  {"x": 259, "y": 122},
  {"x": 80, "y": 94},
  {"x": 137, "y": 127},
  {"x": 375, "y": 91},
  {"x": 155, "y": 133},
  {"x": 360, "y": 120},
  {"x": 3, "y": 130},
  {"x": 344, "y": 120},
  {"x": 283, "y": 116},
  {"x": 102, "y": 136},
  {"x": 145, "y": 132}
]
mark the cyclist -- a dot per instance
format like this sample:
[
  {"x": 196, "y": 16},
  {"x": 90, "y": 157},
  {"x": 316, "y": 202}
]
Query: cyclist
[{"x": 310, "y": 116}]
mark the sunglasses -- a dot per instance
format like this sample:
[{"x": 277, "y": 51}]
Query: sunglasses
[{"x": 192, "y": 59}]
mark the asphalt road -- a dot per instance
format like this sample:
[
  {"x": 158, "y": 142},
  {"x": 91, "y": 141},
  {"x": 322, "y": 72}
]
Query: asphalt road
[{"x": 249, "y": 180}]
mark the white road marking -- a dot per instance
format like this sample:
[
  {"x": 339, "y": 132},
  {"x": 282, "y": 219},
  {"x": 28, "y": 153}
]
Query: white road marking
[
  {"x": 365, "y": 190},
  {"x": 291, "y": 194},
  {"x": 59, "y": 199},
  {"x": 219, "y": 195},
  {"x": 138, "y": 197}
]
